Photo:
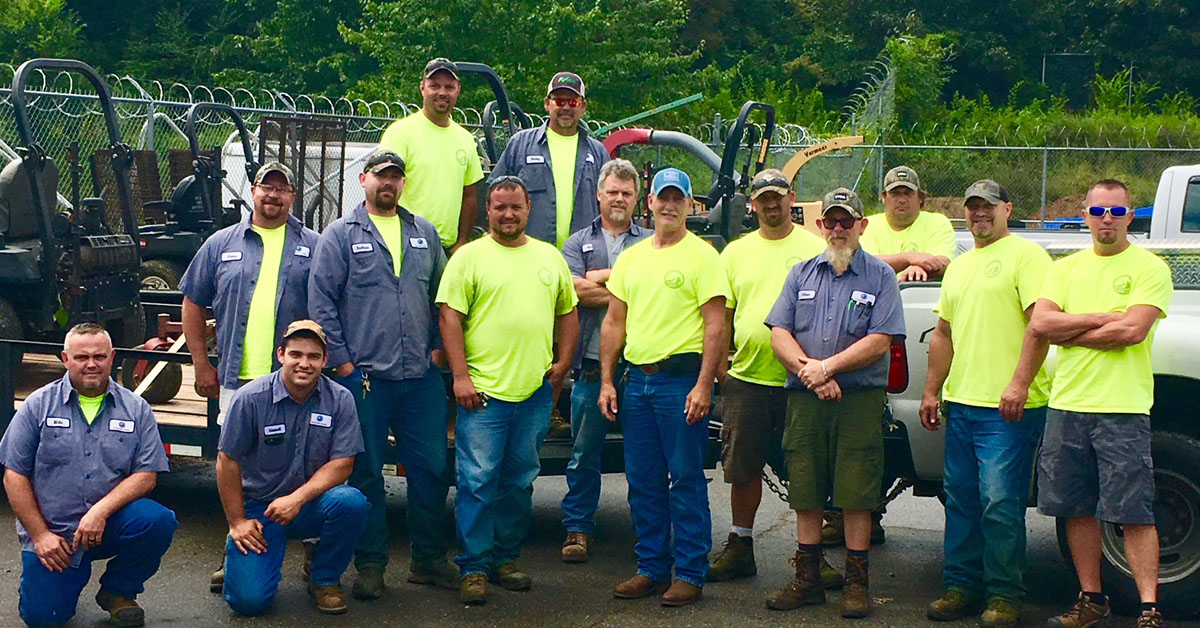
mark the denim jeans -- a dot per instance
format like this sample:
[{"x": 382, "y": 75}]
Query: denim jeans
[
  {"x": 988, "y": 468},
  {"x": 414, "y": 410},
  {"x": 135, "y": 538},
  {"x": 664, "y": 465},
  {"x": 337, "y": 517},
  {"x": 589, "y": 429},
  {"x": 496, "y": 449}
]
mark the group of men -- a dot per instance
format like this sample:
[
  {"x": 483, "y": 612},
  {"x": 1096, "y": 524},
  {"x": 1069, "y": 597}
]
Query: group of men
[{"x": 566, "y": 286}]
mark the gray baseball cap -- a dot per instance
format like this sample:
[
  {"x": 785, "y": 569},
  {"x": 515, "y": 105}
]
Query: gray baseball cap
[
  {"x": 844, "y": 198},
  {"x": 987, "y": 190},
  {"x": 901, "y": 176}
]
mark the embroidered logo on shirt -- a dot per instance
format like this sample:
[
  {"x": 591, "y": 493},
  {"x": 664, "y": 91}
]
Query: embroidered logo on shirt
[
  {"x": 303, "y": 251},
  {"x": 320, "y": 420},
  {"x": 792, "y": 261},
  {"x": 545, "y": 276},
  {"x": 418, "y": 243},
  {"x": 1123, "y": 284},
  {"x": 535, "y": 159},
  {"x": 362, "y": 247},
  {"x": 862, "y": 298},
  {"x": 55, "y": 421},
  {"x": 673, "y": 279},
  {"x": 231, "y": 256},
  {"x": 806, "y": 295},
  {"x": 120, "y": 425},
  {"x": 588, "y": 248},
  {"x": 275, "y": 430}
]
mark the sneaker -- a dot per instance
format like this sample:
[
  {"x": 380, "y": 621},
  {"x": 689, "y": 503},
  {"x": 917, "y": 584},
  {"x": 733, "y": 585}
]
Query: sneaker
[
  {"x": 736, "y": 560},
  {"x": 831, "y": 579},
  {"x": 953, "y": 606},
  {"x": 473, "y": 589},
  {"x": 331, "y": 600},
  {"x": 368, "y": 584},
  {"x": 1150, "y": 619},
  {"x": 805, "y": 588},
  {"x": 441, "y": 573},
  {"x": 216, "y": 582},
  {"x": 509, "y": 577},
  {"x": 122, "y": 612},
  {"x": 560, "y": 429},
  {"x": 575, "y": 548},
  {"x": 1000, "y": 613},
  {"x": 1084, "y": 614}
]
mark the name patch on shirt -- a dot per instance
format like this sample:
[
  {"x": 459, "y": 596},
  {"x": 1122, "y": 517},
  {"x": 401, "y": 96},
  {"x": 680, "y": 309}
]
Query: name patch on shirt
[
  {"x": 362, "y": 247},
  {"x": 303, "y": 251},
  {"x": 806, "y": 295},
  {"x": 862, "y": 298},
  {"x": 231, "y": 256},
  {"x": 535, "y": 159},
  {"x": 55, "y": 421},
  {"x": 274, "y": 430},
  {"x": 120, "y": 425},
  {"x": 320, "y": 420},
  {"x": 418, "y": 243}
]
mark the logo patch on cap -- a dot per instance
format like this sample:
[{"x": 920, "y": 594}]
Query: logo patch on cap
[{"x": 840, "y": 197}]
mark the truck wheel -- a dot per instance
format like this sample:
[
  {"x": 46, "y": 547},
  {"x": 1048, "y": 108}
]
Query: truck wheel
[
  {"x": 160, "y": 274},
  {"x": 11, "y": 329},
  {"x": 1177, "y": 517},
  {"x": 165, "y": 386}
]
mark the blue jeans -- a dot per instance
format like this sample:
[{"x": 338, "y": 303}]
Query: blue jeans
[
  {"x": 664, "y": 465},
  {"x": 135, "y": 538},
  {"x": 414, "y": 410},
  {"x": 589, "y": 429},
  {"x": 497, "y": 454},
  {"x": 989, "y": 465},
  {"x": 337, "y": 517}
]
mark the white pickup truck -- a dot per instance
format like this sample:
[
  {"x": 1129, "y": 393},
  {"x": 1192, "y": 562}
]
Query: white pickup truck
[{"x": 916, "y": 454}]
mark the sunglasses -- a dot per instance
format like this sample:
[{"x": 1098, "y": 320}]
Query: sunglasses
[
  {"x": 773, "y": 182},
  {"x": 567, "y": 102},
  {"x": 1116, "y": 211},
  {"x": 846, "y": 223}
]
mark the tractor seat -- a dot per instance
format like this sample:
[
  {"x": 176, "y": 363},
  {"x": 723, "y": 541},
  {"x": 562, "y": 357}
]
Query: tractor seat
[{"x": 18, "y": 211}]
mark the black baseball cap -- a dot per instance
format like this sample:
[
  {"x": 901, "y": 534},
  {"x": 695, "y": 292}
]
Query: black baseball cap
[
  {"x": 569, "y": 81},
  {"x": 441, "y": 64}
]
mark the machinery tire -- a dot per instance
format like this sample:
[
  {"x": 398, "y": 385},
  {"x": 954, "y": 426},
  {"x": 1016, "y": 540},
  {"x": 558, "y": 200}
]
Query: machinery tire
[
  {"x": 165, "y": 386},
  {"x": 11, "y": 328},
  {"x": 1177, "y": 513},
  {"x": 160, "y": 274}
]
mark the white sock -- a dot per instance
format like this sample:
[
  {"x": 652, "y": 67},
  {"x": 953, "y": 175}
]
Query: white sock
[{"x": 740, "y": 531}]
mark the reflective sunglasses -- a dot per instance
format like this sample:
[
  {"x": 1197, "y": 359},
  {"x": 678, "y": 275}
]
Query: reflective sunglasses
[
  {"x": 846, "y": 223},
  {"x": 1116, "y": 211},
  {"x": 773, "y": 182},
  {"x": 267, "y": 188},
  {"x": 567, "y": 102}
]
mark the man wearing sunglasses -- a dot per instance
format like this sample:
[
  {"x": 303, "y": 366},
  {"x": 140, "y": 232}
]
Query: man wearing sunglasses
[
  {"x": 831, "y": 328},
  {"x": 996, "y": 396},
  {"x": 1101, "y": 307},
  {"x": 917, "y": 244},
  {"x": 755, "y": 402},
  {"x": 254, "y": 276}
]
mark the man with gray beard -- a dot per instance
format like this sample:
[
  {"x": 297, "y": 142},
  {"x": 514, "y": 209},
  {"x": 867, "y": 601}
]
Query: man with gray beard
[{"x": 831, "y": 328}]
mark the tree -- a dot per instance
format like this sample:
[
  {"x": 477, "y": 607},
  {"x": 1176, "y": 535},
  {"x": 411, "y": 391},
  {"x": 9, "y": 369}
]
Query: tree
[{"x": 37, "y": 28}]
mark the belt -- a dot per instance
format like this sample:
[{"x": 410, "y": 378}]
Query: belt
[
  {"x": 590, "y": 370},
  {"x": 678, "y": 364}
]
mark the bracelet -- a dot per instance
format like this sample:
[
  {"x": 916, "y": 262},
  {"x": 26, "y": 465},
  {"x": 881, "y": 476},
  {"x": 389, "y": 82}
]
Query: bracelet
[{"x": 823, "y": 370}]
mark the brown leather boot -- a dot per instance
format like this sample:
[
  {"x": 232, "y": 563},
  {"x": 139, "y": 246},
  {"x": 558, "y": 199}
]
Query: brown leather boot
[
  {"x": 855, "y": 601},
  {"x": 122, "y": 612},
  {"x": 682, "y": 593},
  {"x": 805, "y": 588},
  {"x": 639, "y": 586}
]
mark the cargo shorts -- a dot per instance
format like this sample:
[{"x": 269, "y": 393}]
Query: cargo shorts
[
  {"x": 834, "y": 447},
  {"x": 1096, "y": 464},
  {"x": 752, "y": 418}
]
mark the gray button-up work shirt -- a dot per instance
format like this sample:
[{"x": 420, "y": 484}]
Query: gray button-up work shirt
[
  {"x": 71, "y": 464},
  {"x": 827, "y": 313},
  {"x": 223, "y": 275},
  {"x": 383, "y": 324},
  {"x": 527, "y": 155},
  {"x": 279, "y": 443},
  {"x": 587, "y": 249}
]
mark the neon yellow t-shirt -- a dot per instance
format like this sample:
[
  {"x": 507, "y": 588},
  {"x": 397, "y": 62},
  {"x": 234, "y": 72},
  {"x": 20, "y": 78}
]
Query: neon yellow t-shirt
[
  {"x": 930, "y": 233},
  {"x": 1091, "y": 380},
  {"x": 258, "y": 348},
  {"x": 438, "y": 163},
  {"x": 664, "y": 289},
  {"x": 510, "y": 298},
  {"x": 90, "y": 407},
  {"x": 756, "y": 268},
  {"x": 563, "y": 150},
  {"x": 389, "y": 228},
  {"x": 985, "y": 293}
]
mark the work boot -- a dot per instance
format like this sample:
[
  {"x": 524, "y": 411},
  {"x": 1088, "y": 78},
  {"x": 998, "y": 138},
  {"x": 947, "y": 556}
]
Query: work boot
[
  {"x": 639, "y": 586},
  {"x": 122, "y": 612},
  {"x": 1000, "y": 613},
  {"x": 1150, "y": 619},
  {"x": 331, "y": 600},
  {"x": 440, "y": 573},
  {"x": 1084, "y": 614},
  {"x": 473, "y": 589},
  {"x": 833, "y": 533},
  {"x": 310, "y": 547},
  {"x": 575, "y": 548},
  {"x": 831, "y": 580},
  {"x": 368, "y": 584},
  {"x": 855, "y": 601},
  {"x": 736, "y": 560},
  {"x": 560, "y": 429},
  {"x": 952, "y": 606},
  {"x": 216, "y": 582},
  {"x": 805, "y": 588},
  {"x": 508, "y": 576},
  {"x": 682, "y": 593}
]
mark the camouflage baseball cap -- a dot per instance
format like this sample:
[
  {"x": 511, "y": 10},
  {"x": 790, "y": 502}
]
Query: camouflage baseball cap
[
  {"x": 844, "y": 198},
  {"x": 901, "y": 176},
  {"x": 987, "y": 190},
  {"x": 382, "y": 160},
  {"x": 440, "y": 64},
  {"x": 273, "y": 166},
  {"x": 770, "y": 180}
]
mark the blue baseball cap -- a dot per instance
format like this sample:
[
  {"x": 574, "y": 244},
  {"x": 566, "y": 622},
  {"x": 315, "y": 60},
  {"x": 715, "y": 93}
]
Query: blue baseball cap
[{"x": 671, "y": 178}]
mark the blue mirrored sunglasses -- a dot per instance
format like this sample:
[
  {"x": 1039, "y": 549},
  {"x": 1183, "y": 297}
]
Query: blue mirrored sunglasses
[{"x": 1117, "y": 211}]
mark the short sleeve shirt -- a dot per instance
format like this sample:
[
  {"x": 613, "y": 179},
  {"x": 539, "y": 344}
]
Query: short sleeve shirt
[
  {"x": 280, "y": 443},
  {"x": 664, "y": 289},
  {"x": 930, "y": 233},
  {"x": 1091, "y": 380},
  {"x": 984, "y": 295},
  {"x": 510, "y": 298},
  {"x": 73, "y": 464},
  {"x": 827, "y": 312}
]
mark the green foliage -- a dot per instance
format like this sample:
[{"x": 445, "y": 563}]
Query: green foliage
[
  {"x": 919, "y": 64},
  {"x": 37, "y": 28}
]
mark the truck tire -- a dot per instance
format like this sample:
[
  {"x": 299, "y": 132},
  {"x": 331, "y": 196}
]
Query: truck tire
[
  {"x": 160, "y": 274},
  {"x": 11, "y": 329},
  {"x": 165, "y": 386},
  {"x": 1177, "y": 513}
]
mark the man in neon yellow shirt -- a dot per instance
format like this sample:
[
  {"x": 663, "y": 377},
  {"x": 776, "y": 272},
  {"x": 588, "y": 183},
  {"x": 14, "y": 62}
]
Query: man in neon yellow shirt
[
  {"x": 996, "y": 395},
  {"x": 667, "y": 311},
  {"x": 755, "y": 403},
  {"x": 1101, "y": 306},
  {"x": 441, "y": 158},
  {"x": 917, "y": 244},
  {"x": 507, "y": 309}
]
